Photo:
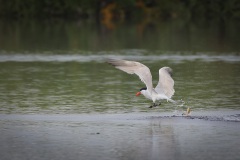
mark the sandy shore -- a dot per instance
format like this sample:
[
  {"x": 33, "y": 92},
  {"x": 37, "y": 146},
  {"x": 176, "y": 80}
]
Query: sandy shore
[{"x": 203, "y": 135}]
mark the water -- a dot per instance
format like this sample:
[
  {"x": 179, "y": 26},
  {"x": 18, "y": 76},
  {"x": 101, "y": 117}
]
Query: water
[
  {"x": 35, "y": 83},
  {"x": 117, "y": 136},
  {"x": 59, "y": 99}
]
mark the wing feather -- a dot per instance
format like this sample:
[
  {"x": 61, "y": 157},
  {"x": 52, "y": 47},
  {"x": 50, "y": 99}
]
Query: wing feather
[
  {"x": 165, "y": 83},
  {"x": 132, "y": 67}
]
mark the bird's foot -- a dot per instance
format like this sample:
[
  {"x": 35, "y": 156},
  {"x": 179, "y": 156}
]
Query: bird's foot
[{"x": 154, "y": 105}]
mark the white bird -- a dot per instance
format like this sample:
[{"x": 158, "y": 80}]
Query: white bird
[{"x": 164, "y": 88}]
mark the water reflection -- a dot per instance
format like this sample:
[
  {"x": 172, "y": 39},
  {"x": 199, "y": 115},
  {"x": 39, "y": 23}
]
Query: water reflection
[
  {"x": 112, "y": 136},
  {"x": 175, "y": 35}
]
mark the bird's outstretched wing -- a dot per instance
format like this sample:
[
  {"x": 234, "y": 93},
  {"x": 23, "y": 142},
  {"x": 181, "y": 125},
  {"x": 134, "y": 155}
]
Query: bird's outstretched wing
[
  {"x": 132, "y": 67},
  {"x": 166, "y": 83}
]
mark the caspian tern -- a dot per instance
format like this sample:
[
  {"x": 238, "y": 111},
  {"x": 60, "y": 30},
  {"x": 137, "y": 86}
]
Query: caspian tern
[{"x": 164, "y": 88}]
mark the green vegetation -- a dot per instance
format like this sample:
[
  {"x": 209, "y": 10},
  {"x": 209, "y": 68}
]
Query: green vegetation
[{"x": 120, "y": 9}]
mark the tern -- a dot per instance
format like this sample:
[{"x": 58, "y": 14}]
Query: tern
[{"x": 164, "y": 88}]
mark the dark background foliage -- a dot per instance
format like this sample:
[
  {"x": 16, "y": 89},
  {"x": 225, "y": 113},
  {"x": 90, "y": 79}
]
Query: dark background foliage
[{"x": 121, "y": 9}]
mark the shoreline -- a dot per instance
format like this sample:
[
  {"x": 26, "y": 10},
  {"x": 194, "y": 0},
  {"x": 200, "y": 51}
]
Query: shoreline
[{"x": 211, "y": 115}]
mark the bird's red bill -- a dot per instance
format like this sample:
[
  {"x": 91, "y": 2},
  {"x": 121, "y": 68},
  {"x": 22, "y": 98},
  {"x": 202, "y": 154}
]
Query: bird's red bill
[{"x": 138, "y": 93}]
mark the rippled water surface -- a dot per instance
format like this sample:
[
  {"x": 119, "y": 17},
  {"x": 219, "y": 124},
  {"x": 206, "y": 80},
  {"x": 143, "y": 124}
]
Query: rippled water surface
[{"x": 73, "y": 83}]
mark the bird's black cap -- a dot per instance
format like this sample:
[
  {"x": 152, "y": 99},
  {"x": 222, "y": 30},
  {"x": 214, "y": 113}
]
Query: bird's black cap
[{"x": 144, "y": 88}]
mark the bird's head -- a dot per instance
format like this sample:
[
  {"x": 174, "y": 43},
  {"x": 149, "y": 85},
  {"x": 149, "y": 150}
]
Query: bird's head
[{"x": 141, "y": 91}]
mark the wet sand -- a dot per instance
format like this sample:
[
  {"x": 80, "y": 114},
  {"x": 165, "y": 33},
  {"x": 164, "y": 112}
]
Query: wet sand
[{"x": 203, "y": 135}]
